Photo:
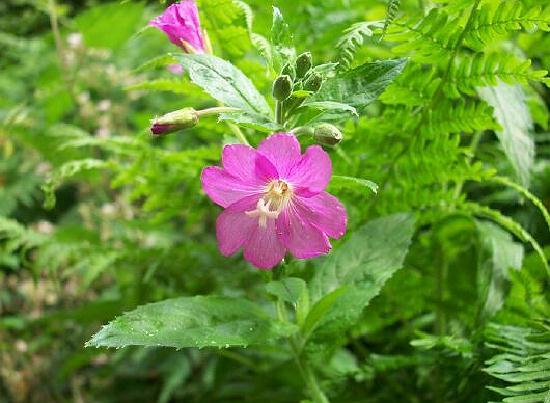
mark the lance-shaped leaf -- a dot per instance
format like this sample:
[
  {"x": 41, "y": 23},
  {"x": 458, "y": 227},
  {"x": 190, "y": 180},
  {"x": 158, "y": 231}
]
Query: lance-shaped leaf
[
  {"x": 225, "y": 83},
  {"x": 511, "y": 112},
  {"x": 200, "y": 321},
  {"x": 359, "y": 268},
  {"x": 362, "y": 85}
]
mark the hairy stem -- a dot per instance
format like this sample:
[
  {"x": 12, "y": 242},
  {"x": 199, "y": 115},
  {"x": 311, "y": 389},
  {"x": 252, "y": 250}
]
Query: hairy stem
[
  {"x": 307, "y": 373},
  {"x": 217, "y": 110}
]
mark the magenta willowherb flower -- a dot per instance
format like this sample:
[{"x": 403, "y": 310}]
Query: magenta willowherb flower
[
  {"x": 180, "y": 22},
  {"x": 274, "y": 201}
]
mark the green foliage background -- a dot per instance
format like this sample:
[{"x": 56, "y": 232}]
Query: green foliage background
[{"x": 440, "y": 290}]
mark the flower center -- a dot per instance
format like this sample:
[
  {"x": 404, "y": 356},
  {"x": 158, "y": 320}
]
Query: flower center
[{"x": 275, "y": 198}]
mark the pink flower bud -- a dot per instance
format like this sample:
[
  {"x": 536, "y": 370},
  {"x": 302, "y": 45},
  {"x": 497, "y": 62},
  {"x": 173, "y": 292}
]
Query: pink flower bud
[
  {"x": 178, "y": 120},
  {"x": 180, "y": 22}
]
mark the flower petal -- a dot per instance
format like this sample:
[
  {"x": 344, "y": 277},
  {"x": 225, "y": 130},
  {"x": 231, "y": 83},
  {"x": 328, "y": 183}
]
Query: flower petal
[
  {"x": 263, "y": 249},
  {"x": 283, "y": 150},
  {"x": 180, "y": 21},
  {"x": 265, "y": 170},
  {"x": 234, "y": 227},
  {"x": 325, "y": 212},
  {"x": 225, "y": 189},
  {"x": 301, "y": 237},
  {"x": 312, "y": 173},
  {"x": 239, "y": 160}
]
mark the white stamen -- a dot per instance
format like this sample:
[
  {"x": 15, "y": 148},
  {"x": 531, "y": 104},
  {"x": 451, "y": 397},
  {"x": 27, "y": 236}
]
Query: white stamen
[{"x": 262, "y": 212}]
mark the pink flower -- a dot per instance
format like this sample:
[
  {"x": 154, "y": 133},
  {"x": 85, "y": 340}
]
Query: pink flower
[
  {"x": 181, "y": 23},
  {"x": 274, "y": 201}
]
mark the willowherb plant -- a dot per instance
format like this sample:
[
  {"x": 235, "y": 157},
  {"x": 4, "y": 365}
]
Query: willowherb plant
[{"x": 421, "y": 135}]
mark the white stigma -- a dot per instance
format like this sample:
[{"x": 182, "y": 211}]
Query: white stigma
[{"x": 277, "y": 195}]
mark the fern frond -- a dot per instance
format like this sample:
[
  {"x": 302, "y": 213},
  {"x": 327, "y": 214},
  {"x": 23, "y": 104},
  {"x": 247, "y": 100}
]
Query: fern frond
[
  {"x": 492, "y": 22},
  {"x": 466, "y": 116},
  {"x": 228, "y": 22},
  {"x": 414, "y": 87},
  {"x": 68, "y": 170},
  {"x": 523, "y": 362},
  {"x": 14, "y": 236},
  {"x": 480, "y": 70},
  {"x": 430, "y": 39},
  {"x": 391, "y": 13},
  {"x": 352, "y": 39}
]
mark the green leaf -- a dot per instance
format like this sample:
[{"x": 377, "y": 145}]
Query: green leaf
[
  {"x": 225, "y": 83},
  {"x": 320, "y": 309},
  {"x": 252, "y": 121},
  {"x": 362, "y": 85},
  {"x": 503, "y": 254},
  {"x": 200, "y": 321},
  {"x": 511, "y": 112},
  {"x": 282, "y": 40},
  {"x": 289, "y": 289},
  {"x": 338, "y": 182},
  {"x": 362, "y": 264}
]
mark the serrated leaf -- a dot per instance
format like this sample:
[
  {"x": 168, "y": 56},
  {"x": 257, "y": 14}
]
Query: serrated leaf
[
  {"x": 362, "y": 264},
  {"x": 362, "y": 85},
  {"x": 200, "y": 321},
  {"x": 225, "y": 83},
  {"x": 511, "y": 112}
]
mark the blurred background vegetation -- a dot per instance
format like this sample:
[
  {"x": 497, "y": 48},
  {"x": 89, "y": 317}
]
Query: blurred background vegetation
[{"x": 130, "y": 224}]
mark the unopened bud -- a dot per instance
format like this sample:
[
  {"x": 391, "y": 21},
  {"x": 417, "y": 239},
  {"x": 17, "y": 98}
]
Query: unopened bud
[
  {"x": 328, "y": 134},
  {"x": 282, "y": 88},
  {"x": 303, "y": 64},
  {"x": 178, "y": 120},
  {"x": 313, "y": 82},
  {"x": 289, "y": 70}
]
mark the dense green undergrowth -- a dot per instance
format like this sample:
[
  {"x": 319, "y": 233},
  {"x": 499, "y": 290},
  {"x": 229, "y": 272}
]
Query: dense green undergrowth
[{"x": 439, "y": 292}]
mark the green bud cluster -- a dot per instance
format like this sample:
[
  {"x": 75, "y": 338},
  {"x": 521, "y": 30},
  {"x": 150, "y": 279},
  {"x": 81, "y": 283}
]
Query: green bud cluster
[{"x": 295, "y": 75}]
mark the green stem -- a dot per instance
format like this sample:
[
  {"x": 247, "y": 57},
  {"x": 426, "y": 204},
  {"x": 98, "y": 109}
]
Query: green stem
[
  {"x": 217, "y": 110},
  {"x": 238, "y": 132},
  {"x": 296, "y": 343},
  {"x": 307, "y": 373},
  {"x": 279, "y": 112}
]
